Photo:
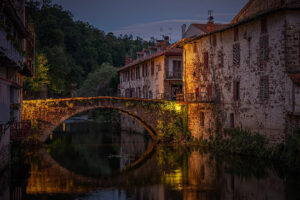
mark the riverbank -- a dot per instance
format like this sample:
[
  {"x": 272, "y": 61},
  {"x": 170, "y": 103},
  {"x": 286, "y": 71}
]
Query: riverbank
[{"x": 243, "y": 142}]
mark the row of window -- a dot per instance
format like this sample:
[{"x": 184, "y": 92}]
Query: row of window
[
  {"x": 263, "y": 46},
  {"x": 138, "y": 93},
  {"x": 263, "y": 89},
  {"x": 135, "y": 72}
]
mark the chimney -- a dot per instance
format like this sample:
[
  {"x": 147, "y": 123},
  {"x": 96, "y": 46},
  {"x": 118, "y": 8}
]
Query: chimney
[
  {"x": 210, "y": 22},
  {"x": 183, "y": 29},
  {"x": 127, "y": 60}
]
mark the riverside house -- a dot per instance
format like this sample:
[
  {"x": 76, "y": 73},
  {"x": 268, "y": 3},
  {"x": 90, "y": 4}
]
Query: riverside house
[
  {"x": 248, "y": 72},
  {"x": 156, "y": 73},
  {"x": 16, "y": 60}
]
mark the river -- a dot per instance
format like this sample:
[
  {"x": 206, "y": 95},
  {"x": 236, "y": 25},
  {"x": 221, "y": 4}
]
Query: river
[{"x": 114, "y": 158}]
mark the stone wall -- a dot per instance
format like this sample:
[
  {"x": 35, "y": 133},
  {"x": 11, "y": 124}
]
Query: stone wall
[
  {"x": 259, "y": 71},
  {"x": 158, "y": 117}
]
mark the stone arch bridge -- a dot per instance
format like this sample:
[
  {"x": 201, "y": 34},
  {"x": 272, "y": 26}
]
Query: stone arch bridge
[{"x": 159, "y": 117}]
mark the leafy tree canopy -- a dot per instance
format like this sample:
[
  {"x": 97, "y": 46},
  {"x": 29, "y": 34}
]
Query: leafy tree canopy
[{"x": 75, "y": 49}]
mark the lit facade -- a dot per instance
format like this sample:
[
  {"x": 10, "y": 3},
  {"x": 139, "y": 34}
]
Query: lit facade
[
  {"x": 249, "y": 70},
  {"x": 155, "y": 74}
]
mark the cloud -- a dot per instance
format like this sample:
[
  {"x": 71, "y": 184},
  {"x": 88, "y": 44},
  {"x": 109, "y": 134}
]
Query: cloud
[
  {"x": 156, "y": 29},
  {"x": 172, "y": 28}
]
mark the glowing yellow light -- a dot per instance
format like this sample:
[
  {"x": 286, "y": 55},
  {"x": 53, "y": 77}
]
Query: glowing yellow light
[{"x": 178, "y": 108}]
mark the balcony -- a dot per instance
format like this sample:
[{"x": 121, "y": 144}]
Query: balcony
[
  {"x": 174, "y": 75},
  {"x": 201, "y": 97},
  {"x": 9, "y": 55}
]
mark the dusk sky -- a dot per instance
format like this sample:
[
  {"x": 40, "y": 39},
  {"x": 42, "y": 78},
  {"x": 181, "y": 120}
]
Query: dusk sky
[{"x": 150, "y": 18}]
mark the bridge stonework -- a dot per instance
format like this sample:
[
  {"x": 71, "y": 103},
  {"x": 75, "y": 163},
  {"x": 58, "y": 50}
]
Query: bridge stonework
[{"x": 160, "y": 118}]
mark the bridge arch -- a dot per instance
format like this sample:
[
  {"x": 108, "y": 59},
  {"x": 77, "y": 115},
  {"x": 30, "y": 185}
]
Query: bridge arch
[
  {"x": 48, "y": 131},
  {"x": 147, "y": 112}
]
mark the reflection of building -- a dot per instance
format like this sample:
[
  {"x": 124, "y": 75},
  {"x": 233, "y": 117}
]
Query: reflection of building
[
  {"x": 271, "y": 187},
  {"x": 250, "y": 69},
  {"x": 130, "y": 125},
  {"x": 155, "y": 74},
  {"x": 133, "y": 146},
  {"x": 201, "y": 177},
  {"x": 16, "y": 59}
]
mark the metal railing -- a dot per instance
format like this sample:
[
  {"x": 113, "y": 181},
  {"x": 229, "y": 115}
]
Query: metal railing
[
  {"x": 196, "y": 97},
  {"x": 8, "y": 50},
  {"x": 187, "y": 97},
  {"x": 174, "y": 75},
  {"x": 19, "y": 131}
]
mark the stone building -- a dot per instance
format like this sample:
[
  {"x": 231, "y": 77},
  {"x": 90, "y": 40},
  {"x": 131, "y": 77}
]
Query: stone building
[
  {"x": 16, "y": 60},
  {"x": 247, "y": 74},
  {"x": 200, "y": 29},
  {"x": 155, "y": 74}
]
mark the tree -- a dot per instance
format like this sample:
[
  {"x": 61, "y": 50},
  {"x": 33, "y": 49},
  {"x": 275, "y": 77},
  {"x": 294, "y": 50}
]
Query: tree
[
  {"x": 34, "y": 85},
  {"x": 101, "y": 82}
]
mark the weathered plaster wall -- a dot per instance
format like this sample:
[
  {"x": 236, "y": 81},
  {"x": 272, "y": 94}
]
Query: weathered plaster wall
[
  {"x": 250, "y": 111},
  {"x": 154, "y": 82}
]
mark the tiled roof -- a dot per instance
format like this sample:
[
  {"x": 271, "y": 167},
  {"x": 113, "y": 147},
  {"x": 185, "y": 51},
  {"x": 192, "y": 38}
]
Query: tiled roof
[
  {"x": 292, "y": 6},
  {"x": 203, "y": 27},
  {"x": 168, "y": 51}
]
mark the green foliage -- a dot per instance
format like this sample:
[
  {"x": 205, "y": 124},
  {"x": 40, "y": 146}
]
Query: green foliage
[
  {"x": 74, "y": 49},
  {"x": 98, "y": 83},
  {"x": 240, "y": 141},
  {"x": 40, "y": 79},
  {"x": 176, "y": 127},
  {"x": 289, "y": 152}
]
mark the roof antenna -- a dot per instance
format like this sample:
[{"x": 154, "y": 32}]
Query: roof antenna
[{"x": 210, "y": 18}]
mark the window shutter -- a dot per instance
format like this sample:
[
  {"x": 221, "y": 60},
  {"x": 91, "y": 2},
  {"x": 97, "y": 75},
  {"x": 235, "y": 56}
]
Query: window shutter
[
  {"x": 234, "y": 91},
  {"x": 236, "y": 54},
  {"x": 205, "y": 58}
]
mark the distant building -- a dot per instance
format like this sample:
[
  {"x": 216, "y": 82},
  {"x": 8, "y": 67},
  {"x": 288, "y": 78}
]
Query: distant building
[
  {"x": 201, "y": 29},
  {"x": 250, "y": 70},
  {"x": 155, "y": 74},
  {"x": 16, "y": 60}
]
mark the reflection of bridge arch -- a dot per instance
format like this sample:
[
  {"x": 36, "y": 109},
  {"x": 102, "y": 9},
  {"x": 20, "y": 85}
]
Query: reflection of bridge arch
[
  {"x": 54, "y": 173},
  {"x": 54, "y": 111}
]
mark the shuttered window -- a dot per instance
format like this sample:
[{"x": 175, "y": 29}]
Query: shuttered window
[
  {"x": 236, "y": 90},
  {"x": 236, "y": 54},
  {"x": 264, "y": 88},
  {"x": 152, "y": 68},
  {"x": 205, "y": 60},
  {"x": 264, "y": 48},
  {"x": 220, "y": 59},
  {"x": 202, "y": 119}
]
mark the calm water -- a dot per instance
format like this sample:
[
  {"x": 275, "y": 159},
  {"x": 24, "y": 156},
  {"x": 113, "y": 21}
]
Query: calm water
[{"x": 89, "y": 161}]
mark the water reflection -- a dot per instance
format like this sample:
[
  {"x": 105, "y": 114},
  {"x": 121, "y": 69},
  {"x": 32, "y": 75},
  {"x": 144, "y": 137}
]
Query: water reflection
[{"x": 89, "y": 161}]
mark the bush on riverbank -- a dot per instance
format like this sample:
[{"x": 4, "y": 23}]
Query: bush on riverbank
[
  {"x": 289, "y": 153},
  {"x": 239, "y": 141},
  {"x": 243, "y": 142}
]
